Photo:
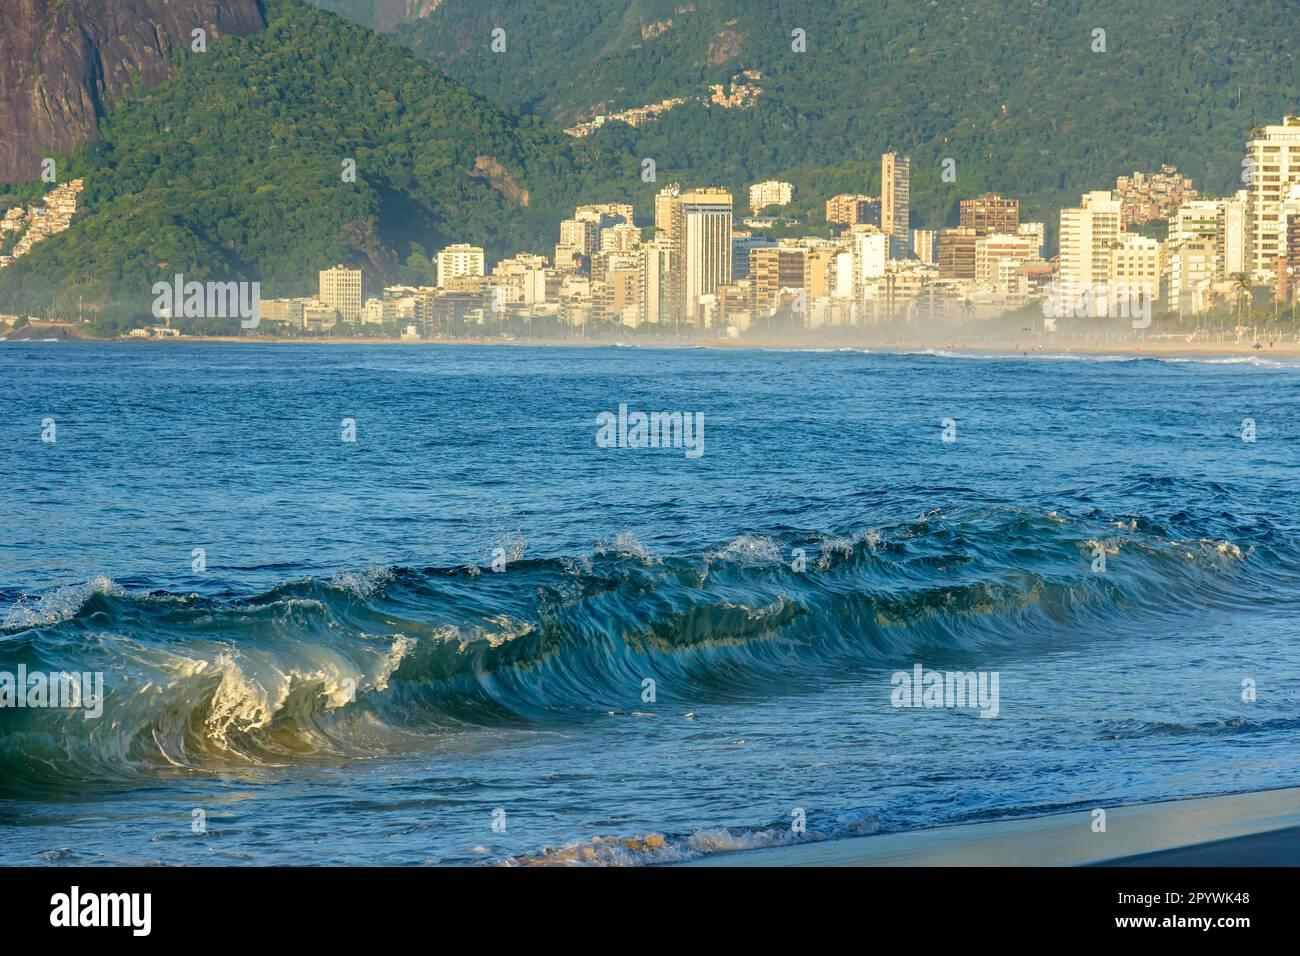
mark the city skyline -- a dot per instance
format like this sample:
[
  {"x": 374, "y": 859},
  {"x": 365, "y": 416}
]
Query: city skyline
[{"x": 702, "y": 269}]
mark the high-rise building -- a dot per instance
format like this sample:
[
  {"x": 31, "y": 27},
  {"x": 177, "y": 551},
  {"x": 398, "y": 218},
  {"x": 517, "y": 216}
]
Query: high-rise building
[
  {"x": 1232, "y": 240},
  {"x": 820, "y": 273},
  {"x": 741, "y": 242},
  {"x": 1087, "y": 234},
  {"x": 734, "y": 305},
  {"x": 582, "y": 235},
  {"x": 656, "y": 273},
  {"x": 340, "y": 289},
  {"x": 1035, "y": 231},
  {"x": 772, "y": 192},
  {"x": 620, "y": 238},
  {"x": 895, "y": 199},
  {"x": 1191, "y": 273},
  {"x": 1274, "y": 155},
  {"x": 521, "y": 280},
  {"x": 999, "y": 256},
  {"x": 870, "y": 249},
  {"x": 702, "y": 232},
  {"x": 1220, "y": 221},
  {"x": 622, "y": 290},
  {"x": 991, "y": 213},
  {"x": 668, "y": 235},
  {"x": 1135, "y": 267},
  {"x": 851, "y": 209},
  {"x": 1288, "y": 266},
  {"x": 770, "y": 272},
  {"x": 1198, "y": 219},
  {"x": 957, "y": 253},
  {"x": 459, "y": 260}
]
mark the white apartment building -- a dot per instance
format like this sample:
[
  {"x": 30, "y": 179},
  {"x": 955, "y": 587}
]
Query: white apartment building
[
  {"x": 1036, "y": 232},
  {"x": 772, "y": 192},
  {"x": 459, "y": 260},
  {"x": 1192, "y": 267},
  {"x": 1274, "y": 164},
  {"x": 998, "y": 256},
  {"x": 620, "y": 238},
  {"x": 1088, "y": 233},
  {"x": 705, "y": 216},
  {"x": 869, "y": 247},
  {"x": 582, "y": 235},
  {"x": 521, "y": 280},
  {"x": 1135, "y": 267},
  {"x": 340, "y": 290}
]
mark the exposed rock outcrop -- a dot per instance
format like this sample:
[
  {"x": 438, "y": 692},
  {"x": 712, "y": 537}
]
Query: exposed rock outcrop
[{"x": 63, "y": 62}]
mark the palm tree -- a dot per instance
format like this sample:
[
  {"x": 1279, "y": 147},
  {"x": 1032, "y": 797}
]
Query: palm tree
[{"x": 1240, "y": 282}]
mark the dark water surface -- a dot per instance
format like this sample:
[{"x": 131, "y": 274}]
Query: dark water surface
[{"x": 345, "y": 679}]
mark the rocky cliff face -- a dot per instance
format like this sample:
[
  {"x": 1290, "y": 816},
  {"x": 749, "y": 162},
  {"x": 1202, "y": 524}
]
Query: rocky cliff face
[{"x": 63, "y": 62}]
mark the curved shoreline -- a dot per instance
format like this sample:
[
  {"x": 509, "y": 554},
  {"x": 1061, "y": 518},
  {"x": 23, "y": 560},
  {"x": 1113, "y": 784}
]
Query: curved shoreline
[{"x": 1261, "y": 828}]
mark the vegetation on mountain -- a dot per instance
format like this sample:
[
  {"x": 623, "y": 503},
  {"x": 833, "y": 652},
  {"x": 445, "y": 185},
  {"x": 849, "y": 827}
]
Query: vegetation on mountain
[
  {"x": 1021, "y": 95},
  {"x": 234, "y": 169}
]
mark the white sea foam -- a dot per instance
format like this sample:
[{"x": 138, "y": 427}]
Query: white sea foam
[
  {"x": 55, "y": 605},
  {"x": 748, "y": 549},
  {"x": 626, "y": 545}
]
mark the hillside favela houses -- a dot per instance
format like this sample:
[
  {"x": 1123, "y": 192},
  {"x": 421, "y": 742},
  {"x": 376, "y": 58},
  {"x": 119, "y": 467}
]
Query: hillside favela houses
[
  {"x": 22, "y": 227},
  {"x": 691, "y": 267}
]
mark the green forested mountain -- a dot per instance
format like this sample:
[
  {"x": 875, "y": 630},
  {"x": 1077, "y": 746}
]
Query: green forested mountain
[
  {"x": 234, "y": 169},
  {"x": 1013, "y": 92},
  {"x": 379, "y": 14}
]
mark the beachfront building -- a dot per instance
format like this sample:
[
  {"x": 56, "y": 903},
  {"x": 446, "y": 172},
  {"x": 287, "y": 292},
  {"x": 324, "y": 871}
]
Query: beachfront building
[
  {"x": 998, "y": 258},
  {"x": 1135, "y": 268},
  {"x": 1088, "y": 233},
  {"x": 1273, "y": 155},
  {"x": 700, "y": 237},
  {"x": 1191, "y": 272},
  {"x": 340, "y": 290}
]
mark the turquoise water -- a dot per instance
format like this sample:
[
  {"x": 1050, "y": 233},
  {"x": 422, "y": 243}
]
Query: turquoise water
[{"x": 345, "y": 678}]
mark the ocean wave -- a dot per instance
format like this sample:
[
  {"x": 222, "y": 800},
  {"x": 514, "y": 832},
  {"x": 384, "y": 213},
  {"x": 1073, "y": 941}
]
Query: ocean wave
[
  {"x": 393, "y": 659},
  {"x": 55, "y": 605},
  {"x": 656, "y": 849}
]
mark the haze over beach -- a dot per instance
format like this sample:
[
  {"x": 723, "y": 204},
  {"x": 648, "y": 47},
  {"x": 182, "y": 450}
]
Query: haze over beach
[{"x": 651, "y": 434}]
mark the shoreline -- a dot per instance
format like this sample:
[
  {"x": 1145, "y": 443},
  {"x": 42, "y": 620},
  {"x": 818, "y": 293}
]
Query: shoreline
[
  {"x": 1171, "y": 349},
  {"x": 1260, "y": 828}
]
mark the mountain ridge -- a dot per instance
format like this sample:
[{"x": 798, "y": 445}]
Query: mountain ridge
[
  {"x": 54, "y": 94},
  {"x": 234, "y": 168}
]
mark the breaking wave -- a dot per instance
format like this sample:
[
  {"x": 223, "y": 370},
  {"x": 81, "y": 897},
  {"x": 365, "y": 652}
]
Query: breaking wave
[{"x": 396, "y": 659}]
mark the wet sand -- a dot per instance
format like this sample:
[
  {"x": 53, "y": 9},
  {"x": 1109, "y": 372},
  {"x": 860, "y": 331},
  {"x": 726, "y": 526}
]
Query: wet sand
[{"x": 1249, "y": 829}]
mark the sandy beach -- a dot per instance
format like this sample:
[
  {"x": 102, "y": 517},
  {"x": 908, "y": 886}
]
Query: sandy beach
[
  {"x": 1173, "y": 347},
  {"x": 1248, "y": 829}
]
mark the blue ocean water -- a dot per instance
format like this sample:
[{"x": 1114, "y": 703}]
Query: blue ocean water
[{"x": 344, "y": 678}]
